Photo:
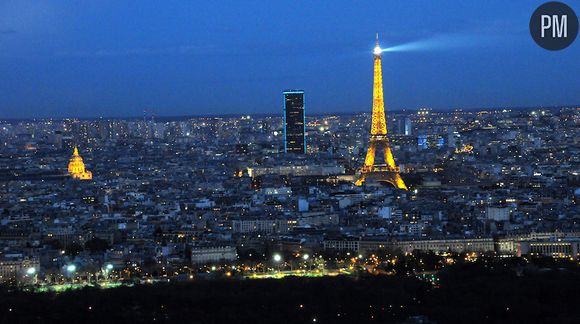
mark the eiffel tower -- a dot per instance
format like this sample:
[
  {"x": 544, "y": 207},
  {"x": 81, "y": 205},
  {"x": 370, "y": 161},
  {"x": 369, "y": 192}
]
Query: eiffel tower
[{"x": 388, "y": 171}]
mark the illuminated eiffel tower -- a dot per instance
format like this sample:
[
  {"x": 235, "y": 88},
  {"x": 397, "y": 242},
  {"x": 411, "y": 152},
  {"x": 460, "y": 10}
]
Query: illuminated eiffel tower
[{"x": 388, "y": 171}]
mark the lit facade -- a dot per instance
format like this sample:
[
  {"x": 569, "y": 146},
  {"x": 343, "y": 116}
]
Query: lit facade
[
  {"x": 568, "y": 248},
  {"x": 263, "y": 225},
  {"x": 213, "y": 254},
  {"x": 388, "y": 171},
  {"x": 76, "y": 167},
  {"x": 438, "y": 246},
  {"x": 18, "y": 269}
]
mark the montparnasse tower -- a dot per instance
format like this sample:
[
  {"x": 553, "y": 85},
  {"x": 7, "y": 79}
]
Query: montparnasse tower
[
  {"x": 387, "y": 171},
  {"x": 76, "y": 167}
]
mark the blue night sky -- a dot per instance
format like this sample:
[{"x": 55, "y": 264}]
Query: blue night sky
[{"x": 117, "y": 58}]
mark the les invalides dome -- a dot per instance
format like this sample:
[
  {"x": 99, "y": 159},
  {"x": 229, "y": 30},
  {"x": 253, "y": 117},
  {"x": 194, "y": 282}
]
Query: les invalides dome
[{"x": 76, "y": 167}]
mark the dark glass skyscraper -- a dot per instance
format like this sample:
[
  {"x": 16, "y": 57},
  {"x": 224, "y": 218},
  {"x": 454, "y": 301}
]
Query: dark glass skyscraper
[{"x": 294, "y": 122}]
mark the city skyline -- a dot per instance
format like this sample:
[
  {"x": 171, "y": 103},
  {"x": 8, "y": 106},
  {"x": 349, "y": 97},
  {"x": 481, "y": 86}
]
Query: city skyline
[
  {"x": 280, "y": 114},
  {"x": 87, "y": 63},
  {"x": 304, "y": 162}
]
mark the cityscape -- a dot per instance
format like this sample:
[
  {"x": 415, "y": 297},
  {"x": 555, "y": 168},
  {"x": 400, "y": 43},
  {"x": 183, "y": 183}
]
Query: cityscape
[{"x": 381, "y": 215}]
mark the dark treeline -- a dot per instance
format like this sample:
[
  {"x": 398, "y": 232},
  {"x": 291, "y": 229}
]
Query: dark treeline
[{"x": 477, "y": 292}]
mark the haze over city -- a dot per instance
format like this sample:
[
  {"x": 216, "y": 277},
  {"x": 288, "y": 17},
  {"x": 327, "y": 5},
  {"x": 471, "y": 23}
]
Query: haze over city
[{"x": 120, "y": 58}]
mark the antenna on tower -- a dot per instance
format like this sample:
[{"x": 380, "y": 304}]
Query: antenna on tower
[{"x": 377, "y": 38}]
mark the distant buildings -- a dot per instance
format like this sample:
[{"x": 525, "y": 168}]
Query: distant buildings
[
  {"x": 440, "y": 246},
  {"x": 17, "y": 268},
  {"x": 498, "y": 214},
  {"x": 262, "y": 225},
  {"x": 208, "y": 254},
  {"x": 215, "y": 191},
  {"x": 404, "y": 126},
  {"x": 297, "y": 170},
  {"x": 294, "y": 122},
  {"x": 569, "y": 248}
]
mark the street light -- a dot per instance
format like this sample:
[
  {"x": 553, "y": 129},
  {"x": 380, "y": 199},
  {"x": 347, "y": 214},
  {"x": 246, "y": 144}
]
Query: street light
[
  {"x": 305, "y": 256},
  {"x": 109, "y": 267},
  {"x": 277, "y": 258},
  {"x": 71, "y": 268},
  {"x": 30, "y": 271}
]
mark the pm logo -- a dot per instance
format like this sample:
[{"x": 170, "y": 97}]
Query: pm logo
[{"x": 554, "y": 26}]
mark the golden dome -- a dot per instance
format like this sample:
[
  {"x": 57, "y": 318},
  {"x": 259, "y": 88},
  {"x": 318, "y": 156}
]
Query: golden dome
[{"x": 76, "y": 167}]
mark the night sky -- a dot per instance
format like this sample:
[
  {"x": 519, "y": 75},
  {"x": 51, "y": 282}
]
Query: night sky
[{"x": 118, "y": 58}]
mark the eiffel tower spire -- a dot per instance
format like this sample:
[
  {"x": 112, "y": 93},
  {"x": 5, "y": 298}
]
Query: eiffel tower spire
[{"x": 388, "y": 171}]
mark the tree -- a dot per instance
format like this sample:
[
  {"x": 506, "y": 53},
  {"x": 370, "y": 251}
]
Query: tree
[
  {"x": 74, "y": 249},
  {"x": 96, "y": 245},
  {"x": 55, "y": 244}
]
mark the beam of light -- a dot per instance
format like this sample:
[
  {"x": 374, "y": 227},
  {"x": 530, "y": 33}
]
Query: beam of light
[{"x": 443, "y": 42}]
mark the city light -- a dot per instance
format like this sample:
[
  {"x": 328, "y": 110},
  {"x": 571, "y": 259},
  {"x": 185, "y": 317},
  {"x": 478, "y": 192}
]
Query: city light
[{"x": 315, "y": 195}]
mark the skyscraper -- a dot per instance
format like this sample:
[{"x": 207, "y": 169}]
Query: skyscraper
[
  {"x": 404, "y": 125},
  {"x": 294, "y": 122},
  {"x": 408, "y": 126}
]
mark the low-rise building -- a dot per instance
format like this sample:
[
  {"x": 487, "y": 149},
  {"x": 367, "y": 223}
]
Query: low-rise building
[{"x": 213, "y": 254}]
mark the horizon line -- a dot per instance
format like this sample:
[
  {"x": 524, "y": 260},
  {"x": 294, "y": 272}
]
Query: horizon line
[{"x": 232, "y": 115}]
